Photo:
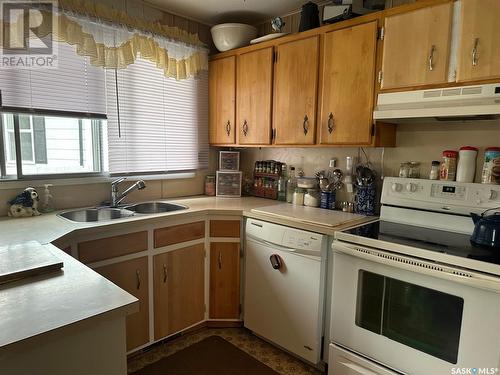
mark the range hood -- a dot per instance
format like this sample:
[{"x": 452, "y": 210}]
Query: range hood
[{"x": 479, "y": 102}]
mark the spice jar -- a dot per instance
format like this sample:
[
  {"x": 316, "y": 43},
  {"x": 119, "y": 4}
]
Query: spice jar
[
  {"x": 466, "y": 167},
  {"x": 434, "y": 173},
  {"x": 210, "y": 185},
  {"x": 448, "y": 168}
]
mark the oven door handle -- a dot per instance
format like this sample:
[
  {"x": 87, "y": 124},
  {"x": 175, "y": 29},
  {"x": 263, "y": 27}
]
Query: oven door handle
[{"x": 421, "y": 266}]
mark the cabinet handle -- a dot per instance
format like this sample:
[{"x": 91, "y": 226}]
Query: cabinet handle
[
  {"x": 219, "y": 260},
  {"x": 245, "y": 128},
  {"x": 474, "y": 52},
  {"x": 164, "y": 273},
  {"x": 228, "y": 128},
  {"x": 330, "y": 123},
  {"x": 138, "y": 276},
  {"x": 431, "y": 58},
  {"x": 305, "y": 125}
]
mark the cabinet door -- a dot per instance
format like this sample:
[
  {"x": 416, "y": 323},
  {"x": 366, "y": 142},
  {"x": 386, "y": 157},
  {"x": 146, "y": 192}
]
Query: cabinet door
[
  {"x": 295, "y": 91},
  {"x": 347, "y": 88},
  {"x": 254, "y": 87},
  {"x": 417, "y": 47},
  {"x": 179, "y": 295},
  {"x": 222, "y": 100},
  {"x": 479, "y": 51},
  {"x": 132, "y": 276},
  {"x": 224, "y": 280}
]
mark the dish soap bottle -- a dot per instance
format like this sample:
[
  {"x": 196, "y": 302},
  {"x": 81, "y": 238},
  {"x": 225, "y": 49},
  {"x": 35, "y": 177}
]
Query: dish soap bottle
[{"x": 47, "y": 203}]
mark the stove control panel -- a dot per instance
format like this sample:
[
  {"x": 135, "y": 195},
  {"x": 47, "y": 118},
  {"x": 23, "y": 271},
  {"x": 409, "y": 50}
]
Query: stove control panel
[
  {"x": 448, "y": 191},
  {"x": 449, "y": 196}
]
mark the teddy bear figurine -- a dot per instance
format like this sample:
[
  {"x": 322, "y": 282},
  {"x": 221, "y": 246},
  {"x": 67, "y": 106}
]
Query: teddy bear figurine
[{"x": 25, "y": 204}]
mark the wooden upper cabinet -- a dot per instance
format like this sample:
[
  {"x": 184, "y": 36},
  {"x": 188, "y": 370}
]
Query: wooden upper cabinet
[
  {"x": 132, "y": 276},
  {"x": 254, "y": 85},
  {"x": 222, "y": 100},
  {"x": 479, "y": 51},
  {"x": 417, "y": 47},
  {"x": 179, "y": 292},
  {"x": 347, "y": 84},
  {"x": 295, "y": 91}
]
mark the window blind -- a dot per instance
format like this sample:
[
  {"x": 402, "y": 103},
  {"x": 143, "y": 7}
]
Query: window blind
[
  {"x": 73, "y": 86},
  {"x": 163, "y": 123}
]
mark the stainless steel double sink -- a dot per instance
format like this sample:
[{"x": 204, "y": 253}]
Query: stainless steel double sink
[{"x": 87, "y": 215}]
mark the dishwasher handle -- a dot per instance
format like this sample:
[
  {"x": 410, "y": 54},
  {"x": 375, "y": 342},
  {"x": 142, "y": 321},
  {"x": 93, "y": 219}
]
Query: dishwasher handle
[{"x": 276, "y": 261}]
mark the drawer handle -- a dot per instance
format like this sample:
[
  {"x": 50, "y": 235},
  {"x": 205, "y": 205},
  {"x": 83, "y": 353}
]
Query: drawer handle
[
  {"x": 138, "y": 276},
  {"x": 474, "y": 52},
  {"x": 164, "y": 273},
  {"x": 330, "y": 123},
  {"x": 245, "y": 128},
  {"x": 431, "y": 58},
  {"x": 219, "y": 260},
  {"x": 305, "y": 124},
  {"x": 228, "y": 128}
]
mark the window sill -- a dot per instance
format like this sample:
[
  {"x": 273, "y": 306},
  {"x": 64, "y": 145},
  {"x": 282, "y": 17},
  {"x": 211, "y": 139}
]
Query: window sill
[{"x": 21, "y": 184}]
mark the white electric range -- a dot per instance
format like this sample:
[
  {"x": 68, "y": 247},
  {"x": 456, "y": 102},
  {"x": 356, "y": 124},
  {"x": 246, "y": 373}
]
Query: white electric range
[{"x": 410, "y": 293}]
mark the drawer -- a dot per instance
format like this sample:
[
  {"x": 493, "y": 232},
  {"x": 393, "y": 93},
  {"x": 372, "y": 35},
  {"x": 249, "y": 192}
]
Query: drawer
[
  {"x": 225, "y": 228},
  {"x": 179, "y": 233},
  {"x": 112, "y": 247}
]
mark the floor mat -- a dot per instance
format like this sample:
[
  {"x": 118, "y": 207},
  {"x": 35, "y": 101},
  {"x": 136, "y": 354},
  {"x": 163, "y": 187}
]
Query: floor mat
[
  {"x": 280, "y": 361},
  {"x": 211, "y": 356}
]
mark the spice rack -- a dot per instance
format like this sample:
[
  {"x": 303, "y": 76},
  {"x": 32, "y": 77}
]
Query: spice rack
[{"x": 265, "y": 178}]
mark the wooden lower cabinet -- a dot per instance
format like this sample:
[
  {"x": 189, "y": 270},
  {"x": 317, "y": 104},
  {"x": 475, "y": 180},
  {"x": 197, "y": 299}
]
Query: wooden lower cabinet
[
  {"x": 224, "y": 280},
  {"x": 132, "y": 276},
  {"x": 179, "y": 295}
]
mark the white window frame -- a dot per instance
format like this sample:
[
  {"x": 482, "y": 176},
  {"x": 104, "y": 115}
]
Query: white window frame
[{"x": 5, "y": 157}]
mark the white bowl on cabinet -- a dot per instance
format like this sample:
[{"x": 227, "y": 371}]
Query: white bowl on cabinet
[{"x": 227, "y": 36}]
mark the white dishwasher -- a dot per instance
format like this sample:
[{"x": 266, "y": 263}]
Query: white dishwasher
[{"x": 284, "y": 286}]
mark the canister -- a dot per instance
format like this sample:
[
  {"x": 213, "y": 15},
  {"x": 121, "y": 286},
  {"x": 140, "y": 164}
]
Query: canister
[
  {"x": 491, "y": 166},
  {"x": 448, "y": 167},
  {"x": 466, "y": 168}
]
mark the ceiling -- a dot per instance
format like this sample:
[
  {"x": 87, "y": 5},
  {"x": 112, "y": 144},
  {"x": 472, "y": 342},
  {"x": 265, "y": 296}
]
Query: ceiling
[{"x": 212, "y": 12}]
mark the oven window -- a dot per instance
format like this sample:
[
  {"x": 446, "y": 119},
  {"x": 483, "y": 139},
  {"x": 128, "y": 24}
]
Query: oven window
[{"x": 419, "y": 317}]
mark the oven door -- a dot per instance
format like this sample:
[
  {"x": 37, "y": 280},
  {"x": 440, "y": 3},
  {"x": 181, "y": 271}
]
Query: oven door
[{"x": 404, "y": 315}]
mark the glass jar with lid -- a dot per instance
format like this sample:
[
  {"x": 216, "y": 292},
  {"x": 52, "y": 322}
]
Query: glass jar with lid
[
  {"x": 414, "y": 169},
  {"x": 404, "y": 169},
  {"x": 312, "y": 198}
]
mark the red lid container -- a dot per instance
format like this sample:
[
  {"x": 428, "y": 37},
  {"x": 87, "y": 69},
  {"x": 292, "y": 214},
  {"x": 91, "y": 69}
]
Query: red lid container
[
  {"x": 468, "y": 148},
  {"x": 493, "y": 149},
  {"x": 450, "y": 154}
]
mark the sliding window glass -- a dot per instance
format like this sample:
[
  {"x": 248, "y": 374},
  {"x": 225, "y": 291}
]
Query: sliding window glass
[{"x": 43, "y": 146}]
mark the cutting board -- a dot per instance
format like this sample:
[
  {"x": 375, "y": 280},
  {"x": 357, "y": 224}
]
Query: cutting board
[
  {"x": 310, "y": 215},
  {"x": 26, "y": 259}
]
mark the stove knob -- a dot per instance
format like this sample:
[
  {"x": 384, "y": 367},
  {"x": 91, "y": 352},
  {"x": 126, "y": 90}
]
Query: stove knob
[
  {"x": 396, "y": 187},
  {"x": 411, "y": 187}
]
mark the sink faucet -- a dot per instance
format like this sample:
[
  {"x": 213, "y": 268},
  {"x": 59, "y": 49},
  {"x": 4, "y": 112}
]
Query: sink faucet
[{"x": 117, "y": 197}]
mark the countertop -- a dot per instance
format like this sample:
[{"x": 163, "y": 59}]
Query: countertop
[
  {"x": 40, "y": 304},
  {"x": 49, "y": 227}
]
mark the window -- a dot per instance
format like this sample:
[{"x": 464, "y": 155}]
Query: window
[
  {"x": 156, "y": 124},
  {"x": 51, "y": 145}
]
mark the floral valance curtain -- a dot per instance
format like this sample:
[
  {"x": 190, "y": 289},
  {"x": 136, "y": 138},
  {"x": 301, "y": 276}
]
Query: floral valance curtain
[{"x": 113, "y": 40}]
